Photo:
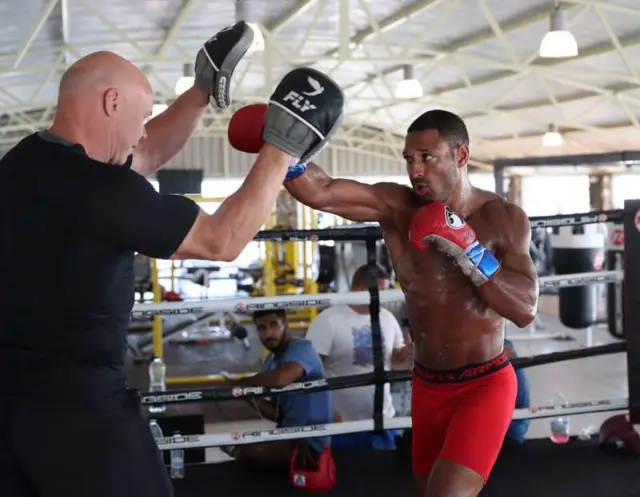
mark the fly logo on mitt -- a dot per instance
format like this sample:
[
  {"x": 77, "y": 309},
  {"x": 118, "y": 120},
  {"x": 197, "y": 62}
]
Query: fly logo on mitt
[
  {"x": 302, "y": 126},
  {"x": 436, "y": 223},
  {"x": 299, "y": 101}
]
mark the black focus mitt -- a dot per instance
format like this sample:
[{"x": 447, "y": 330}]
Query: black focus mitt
[{"x": 218, "y": 58}]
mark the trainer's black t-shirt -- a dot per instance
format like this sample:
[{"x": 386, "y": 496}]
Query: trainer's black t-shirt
[{"x": 69, "y": 227}]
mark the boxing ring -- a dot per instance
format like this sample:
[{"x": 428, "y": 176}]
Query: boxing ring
[{"x": 536, "y": 468}]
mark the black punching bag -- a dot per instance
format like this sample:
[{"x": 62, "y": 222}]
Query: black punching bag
[
  {"x": 578, "y": 249},
  {"x": 613, "y": 261}
]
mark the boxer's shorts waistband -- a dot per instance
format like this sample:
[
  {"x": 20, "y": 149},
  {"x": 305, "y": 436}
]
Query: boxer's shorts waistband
[{"x": 461, "y": 374}]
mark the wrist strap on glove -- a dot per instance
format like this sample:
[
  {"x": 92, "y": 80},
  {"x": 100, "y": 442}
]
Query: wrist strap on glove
[
  {"x": 295, "y": 172},
  {"x": 483, "y": 260}
]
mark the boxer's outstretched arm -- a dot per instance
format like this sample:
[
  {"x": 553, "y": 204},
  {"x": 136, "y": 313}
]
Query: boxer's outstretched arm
[
  {"x": 349, "y": 199},
  {"x": 513, "y": 292},
  {"x": 223, "y": 235}
]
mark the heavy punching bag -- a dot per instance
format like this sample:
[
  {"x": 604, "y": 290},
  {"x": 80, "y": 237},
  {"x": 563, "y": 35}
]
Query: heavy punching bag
[
  {"x": 614, "y": 261},
  {"x": 578, "y": 249},
  {"x": 326, "y": 267}
]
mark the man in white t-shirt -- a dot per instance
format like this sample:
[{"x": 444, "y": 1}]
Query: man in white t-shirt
[{"x": 341, "y": 335}]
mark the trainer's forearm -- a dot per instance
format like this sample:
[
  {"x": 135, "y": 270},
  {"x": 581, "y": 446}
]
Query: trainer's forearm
[
  {"x": 311, "y": 188},
  {"x": 513, "y": 295},
  {"x": 242, "y": 214},
  {"x": 169, "y": 132}
]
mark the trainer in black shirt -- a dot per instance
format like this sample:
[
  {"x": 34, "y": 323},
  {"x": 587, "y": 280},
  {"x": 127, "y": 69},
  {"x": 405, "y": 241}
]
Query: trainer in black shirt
[{"x": 74, "y": 207}]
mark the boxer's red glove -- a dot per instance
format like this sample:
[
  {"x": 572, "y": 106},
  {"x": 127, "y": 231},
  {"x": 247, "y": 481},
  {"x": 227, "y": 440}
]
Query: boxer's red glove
[
  {"x": 245, "y": 128},
  {"x": 245, "y": 134},
  {"x": 436, "y": 223}
]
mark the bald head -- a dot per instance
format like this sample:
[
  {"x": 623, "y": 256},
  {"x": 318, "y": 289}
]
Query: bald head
[
  {"x": 100, "y": 71},
  {"x": 103, "y": 103}
]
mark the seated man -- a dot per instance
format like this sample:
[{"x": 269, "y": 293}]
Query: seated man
[
  {"x": 342, "y": 337},
  {"x": 290, "y": 360},
  {"x": 517, "y": 431}
]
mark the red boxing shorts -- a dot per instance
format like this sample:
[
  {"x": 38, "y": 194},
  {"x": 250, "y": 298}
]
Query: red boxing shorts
[{"x": 462, "y": 415}]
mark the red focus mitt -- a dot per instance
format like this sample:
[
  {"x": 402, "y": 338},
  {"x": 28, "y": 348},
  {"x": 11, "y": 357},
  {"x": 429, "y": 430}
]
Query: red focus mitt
[{"x": 245, "y": 128}]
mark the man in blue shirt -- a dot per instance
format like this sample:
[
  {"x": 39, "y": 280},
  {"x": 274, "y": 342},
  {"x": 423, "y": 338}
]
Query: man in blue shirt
[
  {"x": 290, "y": 360},
  {"x": 518, "y": 428}
]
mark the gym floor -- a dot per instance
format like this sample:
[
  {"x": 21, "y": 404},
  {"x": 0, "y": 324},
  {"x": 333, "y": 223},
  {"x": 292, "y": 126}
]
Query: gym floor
[{"x": 536, "y": 469}]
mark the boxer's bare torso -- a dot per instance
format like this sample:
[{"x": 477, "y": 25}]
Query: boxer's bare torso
[
  {"x": 454, "y": 323},
  {"x": 451, "y": 325}
]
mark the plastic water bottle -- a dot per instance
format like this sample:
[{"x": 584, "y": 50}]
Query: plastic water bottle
[
  {"x": 157, "y": 374},
  {"x": 155, "y": 428},
  {"x": 560, "y": 427},
  {"x": 177, "y": 461}
]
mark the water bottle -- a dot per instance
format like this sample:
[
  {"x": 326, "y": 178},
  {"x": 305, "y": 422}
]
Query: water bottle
[
  {"x": 155, "y": 428},
  {"x": 560, "y": 431},
  {"x": 177, "y": 461},
  {"x": 157, "y": 374}
]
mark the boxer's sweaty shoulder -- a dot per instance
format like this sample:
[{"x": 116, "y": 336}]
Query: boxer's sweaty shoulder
[
  {"x": 451, "y": 325},
  {"x": 491, "y": 221},
  {"x": 400, "y": 202}
]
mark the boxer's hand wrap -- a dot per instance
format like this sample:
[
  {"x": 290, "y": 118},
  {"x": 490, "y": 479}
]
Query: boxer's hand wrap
[
  {"x": 295, "y": 172},
  {"x": 304, "y": 111},
  {"x": 218, "y": 58},
  {"x": 436, "y": 223}
]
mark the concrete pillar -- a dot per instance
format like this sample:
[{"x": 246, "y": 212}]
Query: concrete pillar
[
  {"x": 514, "y": 193},
  {"x": 600, "y": 192},
  {"x": 286, "y": 211}
]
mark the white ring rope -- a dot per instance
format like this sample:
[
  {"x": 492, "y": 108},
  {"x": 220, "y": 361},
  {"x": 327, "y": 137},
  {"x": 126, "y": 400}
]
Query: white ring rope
[
  {"x": 328, "y": 299},
  {"x": 329, "y": 429}
]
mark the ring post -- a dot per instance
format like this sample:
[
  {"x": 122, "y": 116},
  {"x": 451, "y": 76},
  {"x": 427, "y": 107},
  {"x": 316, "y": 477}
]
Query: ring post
[
  {"x": 631, "y": 306},
  {"x": 376, "y": 336},
  {"x": 157, "y": 320},
  {"x": 313, "y": 285}
]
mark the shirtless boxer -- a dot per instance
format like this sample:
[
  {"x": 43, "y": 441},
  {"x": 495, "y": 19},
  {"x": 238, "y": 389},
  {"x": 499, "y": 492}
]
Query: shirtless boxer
[
  {"x": 462, "y": 258},
  {"x": 73, "y": 200}
]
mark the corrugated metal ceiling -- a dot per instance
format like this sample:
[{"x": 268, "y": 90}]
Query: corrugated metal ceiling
[{"x": 475, "y": 57}]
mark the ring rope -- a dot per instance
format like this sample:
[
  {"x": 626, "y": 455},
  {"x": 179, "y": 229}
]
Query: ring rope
[
  {"x": 366, "y": 425},
  {"x": 248, "y": 305},
  {"x": 373, "y": 231},
  {"x": 366, "y": 379}
]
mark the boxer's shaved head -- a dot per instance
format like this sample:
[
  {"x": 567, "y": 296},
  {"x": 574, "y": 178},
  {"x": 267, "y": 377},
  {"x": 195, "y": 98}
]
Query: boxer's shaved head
[{"x": 103, "y": 103}]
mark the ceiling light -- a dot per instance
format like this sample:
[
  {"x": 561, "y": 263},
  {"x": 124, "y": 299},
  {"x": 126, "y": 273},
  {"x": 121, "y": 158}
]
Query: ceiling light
[
  {"x": 186, "y": 81},
  {"x": 559, "y": 42},
  {"x": 257, "y": 45},
  {"x": 409, "y": 87},
  {"x": 552, "y": 138},
  {"x": 242, "y": 14},
  {"x": 158, "y": 109}
]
